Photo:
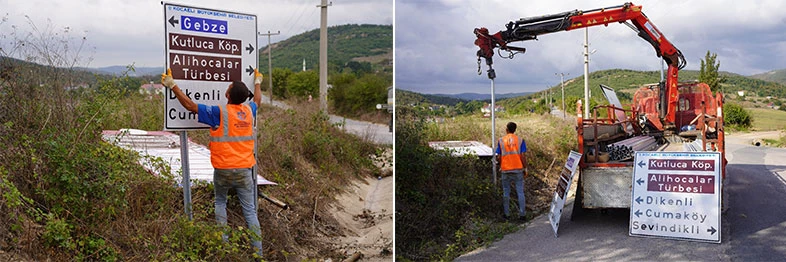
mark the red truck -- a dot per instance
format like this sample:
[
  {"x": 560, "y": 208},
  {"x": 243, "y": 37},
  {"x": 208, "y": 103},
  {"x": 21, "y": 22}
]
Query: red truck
[{"x": 668, "y": 116}]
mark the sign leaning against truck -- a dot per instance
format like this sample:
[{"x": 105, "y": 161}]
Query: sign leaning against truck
[
  {"x": 677, "y": 195},
  {"x": 561, "y": 191}
]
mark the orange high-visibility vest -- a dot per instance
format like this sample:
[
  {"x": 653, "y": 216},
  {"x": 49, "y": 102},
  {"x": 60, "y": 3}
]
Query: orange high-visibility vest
[
  {"x": 232, "y": 142},
  {"x": 510, "y": 157}
]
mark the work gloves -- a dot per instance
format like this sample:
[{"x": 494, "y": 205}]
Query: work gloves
[
  {"x": 258, "y": 77},
  {"x": 167, "y": 80}
]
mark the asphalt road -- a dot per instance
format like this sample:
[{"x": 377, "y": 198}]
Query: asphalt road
[
  {"x": 379, "y": 134},
  {"x": 753, "y": 227},
  {"x": 376, "y": 133}
]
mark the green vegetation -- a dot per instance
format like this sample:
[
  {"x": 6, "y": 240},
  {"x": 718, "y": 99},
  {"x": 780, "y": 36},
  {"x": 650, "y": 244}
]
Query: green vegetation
[
  {"x": 781, "y": 142},
  {"x": 626, "y": 82},
  {"x": 431, "y": 105},
  {"x": 528, "y": 104},
  {"x": 350, "y": 48},
  {"x": 708, "y": 72},
  {"x": 360, "y": 69},
  {"x": 778, "y": 76},
  {"x": 66, "y": 195},
  {"x": 737, "y": 117},
  {"x": 765, "y": 119},
  {"x": 303, "y": 84},
  {"x": 404, "y": 97},
  {"x": 351, "y": 96},
  {"x": 447, "y": 206}
]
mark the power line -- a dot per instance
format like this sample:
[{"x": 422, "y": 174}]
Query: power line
[{"x": 302, "y": 11}]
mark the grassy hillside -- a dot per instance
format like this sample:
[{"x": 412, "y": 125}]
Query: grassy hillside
[
  {"x": 359, "y": 43},
  {"x": 778, "y": 76},
  {"x": 625, "y": 82},
  {"x": 404, "y": 97},
  {"x": 65, "y": 195},
  {"x": 468, "y": 211}
]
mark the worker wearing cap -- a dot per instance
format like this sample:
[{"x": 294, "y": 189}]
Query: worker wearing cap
[
  {"x": 513, "y": 166},
  {"x": 232, "y": 136}
]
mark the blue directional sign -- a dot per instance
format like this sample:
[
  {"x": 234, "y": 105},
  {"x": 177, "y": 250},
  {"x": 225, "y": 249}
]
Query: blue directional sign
[{"x": 204, "y": 25}]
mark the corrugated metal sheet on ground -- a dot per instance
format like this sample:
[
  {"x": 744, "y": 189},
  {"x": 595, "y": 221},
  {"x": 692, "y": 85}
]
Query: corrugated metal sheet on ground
[
  {"x": 166, "y": 145},
  {"x": 460, "y": 148}
]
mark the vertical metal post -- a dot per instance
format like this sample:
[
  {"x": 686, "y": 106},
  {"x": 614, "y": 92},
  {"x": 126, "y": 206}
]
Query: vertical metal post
[
  {"x": 586, "y": 71},
  {"x": 254, "y": 179},
  {"x": 186, "y": 183},
  {"x": 493, "y": 75},
  {"x": 562, "y": 81},
  {"x": 323, "y": 56}
]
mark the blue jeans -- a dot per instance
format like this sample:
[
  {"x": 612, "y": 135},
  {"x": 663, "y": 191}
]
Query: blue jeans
[
  {"x": 518, "y": 178},
  {"x": 242, "y": 181}
]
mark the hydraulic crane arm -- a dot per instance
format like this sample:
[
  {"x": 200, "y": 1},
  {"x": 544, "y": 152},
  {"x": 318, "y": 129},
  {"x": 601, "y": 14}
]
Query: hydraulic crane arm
[{"x": 530, "y": 28}]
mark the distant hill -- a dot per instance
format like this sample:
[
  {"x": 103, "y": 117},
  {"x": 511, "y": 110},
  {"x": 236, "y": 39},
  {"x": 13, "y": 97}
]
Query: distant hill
[
  {"x": 625, "y": 82},
  {"x": 404, "y": 97},
  {"x": 359, "y": 43},
  {"x": 477, "y": 96},
  {"x": 79, "y": 76},
  {"x": 120, "y": 70},
  {"x": 778, "y": 76}
]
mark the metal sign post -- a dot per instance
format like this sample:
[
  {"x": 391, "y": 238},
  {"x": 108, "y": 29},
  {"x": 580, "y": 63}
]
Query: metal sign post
[
  {"x": 186, "y": 182},
  {"x": 493, "y": 75}
]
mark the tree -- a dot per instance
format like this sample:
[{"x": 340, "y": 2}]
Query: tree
[
  {"x": 367, "y": 92},
  {"x": 708, "y": 73},
  {"x": 338, "y": 94},
  {"x": 734, "y": 114},
  {"x": 302, "y": 84},
  {"x": 279, "y": 78}
]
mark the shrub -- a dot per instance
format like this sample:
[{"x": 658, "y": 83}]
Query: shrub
[
  {"x": 445, "y": 205},
  {"x": 734, "y": 114},
  {"x": 66, "y": 195},
  {"x": 436, "y": 194}
]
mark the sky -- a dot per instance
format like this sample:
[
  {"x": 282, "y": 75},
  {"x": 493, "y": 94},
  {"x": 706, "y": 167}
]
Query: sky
[
  {"x": 435, "y": 51},
  {"x": 122, "y": 32}
]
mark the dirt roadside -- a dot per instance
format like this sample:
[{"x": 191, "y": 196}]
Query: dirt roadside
[
  {"x": 366, "y": 212},
  {"x": 748, "y": 138}
]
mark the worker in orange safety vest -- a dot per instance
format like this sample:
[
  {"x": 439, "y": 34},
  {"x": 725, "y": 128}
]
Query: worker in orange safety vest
[
  {"x": 232, "y": 137},
  {"x": 513, "y": 166}
]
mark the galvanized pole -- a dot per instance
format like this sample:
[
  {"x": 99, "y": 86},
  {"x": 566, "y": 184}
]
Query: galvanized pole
[
  {"x": 186, "y": 183},
  {"x": 586, "y": 72},
  {"x": 492, "y": 75},
  {"x": 562, "y": 81}
]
